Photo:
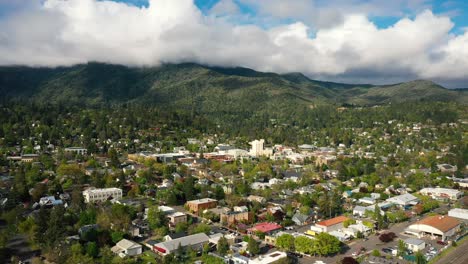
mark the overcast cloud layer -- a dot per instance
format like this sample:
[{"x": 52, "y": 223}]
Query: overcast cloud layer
[{"x": 327, "y": 44}]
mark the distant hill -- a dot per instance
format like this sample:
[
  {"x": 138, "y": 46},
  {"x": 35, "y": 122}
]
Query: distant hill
[{"x": 200, "y": 88}]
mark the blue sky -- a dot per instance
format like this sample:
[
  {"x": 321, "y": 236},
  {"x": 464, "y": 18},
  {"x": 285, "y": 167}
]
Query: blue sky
[{"x": 353, "y": 41}]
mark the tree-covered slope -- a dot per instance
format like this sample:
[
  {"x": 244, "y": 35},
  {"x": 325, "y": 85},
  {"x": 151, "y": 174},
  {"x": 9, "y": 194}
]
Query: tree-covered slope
[{"x": 201, "y": 89}]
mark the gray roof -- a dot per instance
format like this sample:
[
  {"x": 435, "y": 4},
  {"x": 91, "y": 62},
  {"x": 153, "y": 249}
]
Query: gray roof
[
  {"x": 413, "y": 241},
  {"x": 184, "y": 241},
  {"x": 127, "y": 244}
]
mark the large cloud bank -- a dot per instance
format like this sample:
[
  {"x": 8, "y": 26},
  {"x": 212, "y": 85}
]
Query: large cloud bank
[{"x": 65, "y": 32}]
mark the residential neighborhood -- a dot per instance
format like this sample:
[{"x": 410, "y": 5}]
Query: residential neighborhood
[{"x": 391, "y": 193}]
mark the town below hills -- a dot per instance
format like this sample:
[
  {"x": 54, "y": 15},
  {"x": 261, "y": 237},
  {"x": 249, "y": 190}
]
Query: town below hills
[{"x": 193, "y": 164}]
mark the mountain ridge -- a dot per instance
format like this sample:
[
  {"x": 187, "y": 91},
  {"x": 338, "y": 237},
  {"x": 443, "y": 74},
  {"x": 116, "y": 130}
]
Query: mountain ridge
[{"x": 196, "y": 85}]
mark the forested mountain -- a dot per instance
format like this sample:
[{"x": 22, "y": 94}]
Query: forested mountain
[{"x": 199, "y": 88}]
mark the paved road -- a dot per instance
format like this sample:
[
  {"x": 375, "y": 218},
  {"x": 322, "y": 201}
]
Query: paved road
[{"x": 457, "y": 256}]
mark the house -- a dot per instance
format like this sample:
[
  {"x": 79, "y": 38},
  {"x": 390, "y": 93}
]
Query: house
[
  {"x": 447, "y": 168},
  {"x": 340, "y": 235},
  {"x": 442, "y": 193},
  {"x": 166, "y": 209},
  {"x": 83, "y": 231},
  {"x": 301, "y": 219},
  {"x": 415, "y": 244},
  {"x": 266, "y": 228},
  {"x": 197, "y": 206},
  {"x": 239, "y": 247},
  {"x": 177, "y": 217},
  {"x": 126, "y": 247},
  {"x": 367, "y": 200},
  {"x": 436, "y": 226},
  {"x": 49, "y": 201},
  {"x": 196, "y": 242},
  {"x": 403, "y": 200},
  {"x": 256, "y": 198},
  {"x": 330, "y": 225},
  {"x": 360, "y": 210},
  {"x": 239, "y": 259},
  {"x": 173, "y": 236},
  {"x": 358, "y": 227}
]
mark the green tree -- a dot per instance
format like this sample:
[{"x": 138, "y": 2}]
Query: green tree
[
  {"x": 156, "y": 218},
  {"x": 420, "y": 259},
  {"x": 304, "y": 245},
  {"x": 189, "y": 187},
  {"x": 92, "y": 249},
  {"x": 285, "y": 242},
  {"x": 401, "y": 247},
  {"x": 326, "y": 244},
  {"x": 253, "y": 246},
  {"x": 223, "y": 246}
]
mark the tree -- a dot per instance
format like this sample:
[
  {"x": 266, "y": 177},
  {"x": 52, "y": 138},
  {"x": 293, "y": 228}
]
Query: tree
[
  {"x": 420, "y": 259},
  {"x": 200, "y": 228},
  {"x": 327, "y": 244},
  {"x": 401, "y": 247},
  {"x": 223, "y": 246},
  {"x": 304, "y": 244},
  {"x": 376, "y": 253},
  {"x": 181, "y": 227},
  {"x": 285, "y": 242},
  {"x": 92, "y": 250},
  {"x": 378, "y": 217},
  {"x": 253, "y": 246},
  {"x": 387, "y": 237},
  {"x": 56, "y": 226},
  {"x": 156, "y": 218},
  {"x": 114, "y": 158},
  {"x": 189, "y": 187},
  {"x": 349, "y": 260}
]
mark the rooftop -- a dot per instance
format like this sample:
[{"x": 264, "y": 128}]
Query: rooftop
[
  {"x": 333, "y": 221},
  {"x": 183, "y": 241},
  {"x": 201, "y": 201},
  {"x": 413, "y": 241},
  {"x": 440, "y": 222},
  {"x": 265, "y": 227}
]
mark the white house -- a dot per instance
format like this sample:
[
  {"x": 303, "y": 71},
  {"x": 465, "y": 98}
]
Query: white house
[
  {"x": 403, "y": 200},
  {"x": 126, "y": 248},
  {"x": 415, "y": 244}
]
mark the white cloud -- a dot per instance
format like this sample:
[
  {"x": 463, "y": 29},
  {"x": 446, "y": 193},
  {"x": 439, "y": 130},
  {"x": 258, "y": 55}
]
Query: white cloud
[
  {"x": 76, "y": 31},
  {"x": 225, "y": 7}
]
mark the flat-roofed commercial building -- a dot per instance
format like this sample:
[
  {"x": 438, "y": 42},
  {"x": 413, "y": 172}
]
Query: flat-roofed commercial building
[
  {"x": 197, "y": 206},
  {"x": 101, "y": 195}
]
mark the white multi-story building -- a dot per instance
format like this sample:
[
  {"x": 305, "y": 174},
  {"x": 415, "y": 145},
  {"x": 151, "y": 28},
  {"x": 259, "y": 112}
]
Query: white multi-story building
[
  {"x": 101, "y": 195},
  {"x": 258, "y": 149},
  {"x": 80, "y": 151}
]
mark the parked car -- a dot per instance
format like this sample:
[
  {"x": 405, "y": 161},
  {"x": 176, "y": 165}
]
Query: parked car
[
  {"x": 440, "y": 242},
  {"x": 387, "y": 250}
]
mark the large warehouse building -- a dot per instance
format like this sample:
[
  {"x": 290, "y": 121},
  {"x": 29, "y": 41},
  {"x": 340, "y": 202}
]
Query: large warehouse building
[{"x": 436, "y": 226}]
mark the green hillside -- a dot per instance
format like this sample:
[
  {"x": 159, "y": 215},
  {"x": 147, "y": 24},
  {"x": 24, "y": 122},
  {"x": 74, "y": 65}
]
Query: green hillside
[{"x": 201, "y": 89}]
